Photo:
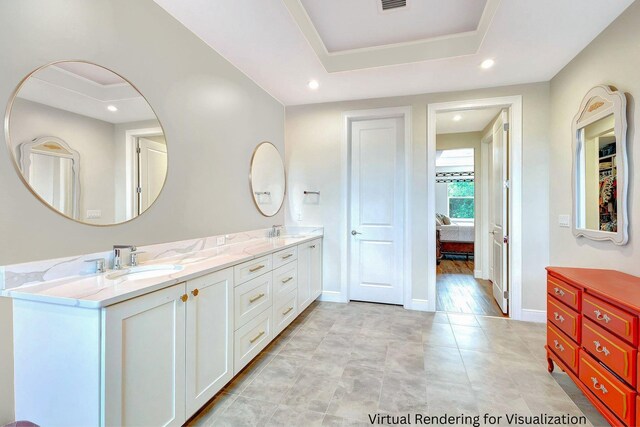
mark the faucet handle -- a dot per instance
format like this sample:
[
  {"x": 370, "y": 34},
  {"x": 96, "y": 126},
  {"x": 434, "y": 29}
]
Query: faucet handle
[
  {"x": 133, "y": 257},
  {"x": 100, "y": 264}
]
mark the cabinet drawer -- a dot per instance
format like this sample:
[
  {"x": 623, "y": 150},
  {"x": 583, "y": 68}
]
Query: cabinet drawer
[
  {"x": 619, "y": 356},
  {"x": 285, "y": 256},
  {"x": 284, "y": 311},
  {"x": 617, "y": 396},
  {"x": 561, "y": 345},
  {"x": 564, "y": 292},
  {"x": 567, "y": 320},
  {"x": 611, "y": 318},
  {"x": 250, "y": 269},
  {"x": 251, "y": 339},
  {"x": 285, "y": 279},
  {"x": 252, "y": 298}
]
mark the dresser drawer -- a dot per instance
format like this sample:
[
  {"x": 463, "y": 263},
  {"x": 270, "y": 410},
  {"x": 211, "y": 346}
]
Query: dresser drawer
[
  {"x": 616, "y": 395},
  {"x": 613, "y": 319},
  {"x": 251, "y": 339},
  {"x": 619, "y": 356},
  {"x": 562, "y": 346},
  {"x": 252, "y": 298},
  {"x": 285, "y": 279},
  {"x": 285, "y": 256},
  {"x": 564, "y": 292},
  {"x": 567, "y": 320},
  {"x": 250, "y": 269},
  {"x": 284, "y": 311}
]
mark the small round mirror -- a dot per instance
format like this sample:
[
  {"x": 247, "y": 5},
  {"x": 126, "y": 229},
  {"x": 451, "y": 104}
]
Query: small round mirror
[
  {"x": 267, "y": 179},
  {"x": 86, "y": 143}
]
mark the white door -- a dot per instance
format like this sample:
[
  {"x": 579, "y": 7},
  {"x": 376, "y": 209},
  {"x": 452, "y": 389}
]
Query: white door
[
  {"x": 144, "y": 366},
  {"x": 315, "y": 273},
  {"x": 152, "y": 170},
  {"x": 209, "y": 337},
  {"x": 499, "y": 211},
  {"x": 376, "y": 206}
]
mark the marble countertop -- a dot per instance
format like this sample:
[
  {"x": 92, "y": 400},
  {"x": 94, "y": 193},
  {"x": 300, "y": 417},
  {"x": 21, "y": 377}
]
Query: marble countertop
[{"x": 96, "y": 290}]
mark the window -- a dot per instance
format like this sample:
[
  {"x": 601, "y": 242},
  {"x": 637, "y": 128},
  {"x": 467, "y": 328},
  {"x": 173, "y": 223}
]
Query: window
[{"x": 460, "y": 200}]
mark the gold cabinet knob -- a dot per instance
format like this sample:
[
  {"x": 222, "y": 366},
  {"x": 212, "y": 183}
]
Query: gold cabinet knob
[
  {"x": 195, "y": 292},
  {"x": 184, "y": 298}
]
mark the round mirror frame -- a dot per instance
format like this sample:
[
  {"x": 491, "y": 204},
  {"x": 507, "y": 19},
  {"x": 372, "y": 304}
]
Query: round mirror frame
[
  {"x": 284, "y": 173},
  {"x": 15, "y": 161}
]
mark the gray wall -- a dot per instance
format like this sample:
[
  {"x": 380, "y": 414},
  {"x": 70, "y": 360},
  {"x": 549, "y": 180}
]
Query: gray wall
[
  {"x": 613, "y": 58},
  {"x": 213, "y": 116},
  {"x": 314, "y": 135}
]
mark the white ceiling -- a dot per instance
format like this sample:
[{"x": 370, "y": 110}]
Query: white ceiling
[
  {"x": 356, "y": 24},
  {"x": 470, "y": 120},
  {"x": 87, "y": 90},
  {"x": 530, "y": 41}
]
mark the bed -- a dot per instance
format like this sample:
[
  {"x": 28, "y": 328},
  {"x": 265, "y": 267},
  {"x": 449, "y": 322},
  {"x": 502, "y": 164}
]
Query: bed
[{"x": 456, "y": 238}]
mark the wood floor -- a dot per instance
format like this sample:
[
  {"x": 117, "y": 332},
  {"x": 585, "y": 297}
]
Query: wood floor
[{"x": 459, "y": 292}]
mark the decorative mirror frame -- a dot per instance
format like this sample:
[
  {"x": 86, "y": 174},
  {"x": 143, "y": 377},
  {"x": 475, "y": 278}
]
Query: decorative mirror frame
[
  {"x": 253, "y": 192},
  {"x": 602, "y": 101},
  {"x": 27, "y": 148}
]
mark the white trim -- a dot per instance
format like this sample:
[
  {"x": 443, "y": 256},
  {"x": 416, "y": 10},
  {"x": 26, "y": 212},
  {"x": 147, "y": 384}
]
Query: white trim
[
  {"x": 514, "y": 103},
  {"x": 332, "y": 296},
  {"x": 477, "y": 274},
  {"x": 418, "y": 305},
  {"x": 539, "y": 316},
  {"x": 131, "y": 167},
  {"x": 377, "y": 113}
]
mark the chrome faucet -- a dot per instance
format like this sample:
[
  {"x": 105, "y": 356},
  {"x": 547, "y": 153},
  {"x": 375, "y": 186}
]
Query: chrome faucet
[
  {"x": 117, "y": 261},
  {"x": 275, "y": 231}
]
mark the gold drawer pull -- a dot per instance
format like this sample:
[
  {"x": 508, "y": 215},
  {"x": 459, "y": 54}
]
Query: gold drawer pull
[
  {"x": 195, "y": 292},
  {"x": 602, "y": 317},
  {"x": 287, "y": 256},
  {"x": 254, "y": 269},
  {"x": 255, "y": 298},
  {"x": 254, "y": 339},
  {"x": 601, "y": 349},
  {"x": 599, "y": 386},
  {"x": 558, "y": 291},
  {"x": 287, "y": 311},
  {"x": 184, "y": 298},
  {"x": 558, "y": 317},
  {"x": 287, "y": 280},
  {"x": 557, "y": 345}
]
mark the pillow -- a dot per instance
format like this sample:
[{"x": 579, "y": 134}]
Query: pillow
[
  {"x": 446, "y": 220},
  {"x": 438, "y": 221}
]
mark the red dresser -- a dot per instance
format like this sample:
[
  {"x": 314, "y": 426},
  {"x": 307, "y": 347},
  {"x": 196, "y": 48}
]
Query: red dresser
[{"x": 592, "y": 335}]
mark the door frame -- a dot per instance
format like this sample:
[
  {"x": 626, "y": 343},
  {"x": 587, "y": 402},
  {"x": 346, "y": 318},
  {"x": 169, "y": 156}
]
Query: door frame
[
  {"x": 131, "y": 166},
  {"x": 514, "y": 105},
  {"x": 348, "y": 117}
]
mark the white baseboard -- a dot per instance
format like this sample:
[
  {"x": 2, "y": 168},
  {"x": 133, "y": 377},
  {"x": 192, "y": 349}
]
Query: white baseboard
[
  {"x": 539, "y": 316},
  {"x": 477, "y": 274},
  {"x": 332, "y": 296},
  {"x": 418, "y": 305}
]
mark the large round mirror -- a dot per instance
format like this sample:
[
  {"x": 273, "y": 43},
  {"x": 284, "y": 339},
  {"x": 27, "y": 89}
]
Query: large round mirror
[
  {"x": 267, "y": 179},
  {"x": 87, "y": 143}
]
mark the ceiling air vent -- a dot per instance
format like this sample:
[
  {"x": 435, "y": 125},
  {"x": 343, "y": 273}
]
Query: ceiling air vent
[{"x": 393, "y": 4}]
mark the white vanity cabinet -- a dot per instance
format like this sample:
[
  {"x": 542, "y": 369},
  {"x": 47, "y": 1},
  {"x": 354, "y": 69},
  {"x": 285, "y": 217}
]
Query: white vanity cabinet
[
  {"x": 168, "y": 352},
  {"x": 309, "y": 272}
]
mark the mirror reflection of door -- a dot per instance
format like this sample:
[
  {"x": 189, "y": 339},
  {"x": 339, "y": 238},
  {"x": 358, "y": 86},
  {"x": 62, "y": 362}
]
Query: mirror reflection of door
[
  {"x": 52, "y": 178},
  {"x": 152, "y": 169}
]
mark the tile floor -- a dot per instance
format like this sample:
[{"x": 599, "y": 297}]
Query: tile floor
[{"x": 337, "y": 363}]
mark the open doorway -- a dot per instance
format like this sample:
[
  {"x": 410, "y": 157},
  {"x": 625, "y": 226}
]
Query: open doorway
[{"x": 475, "y": 261}]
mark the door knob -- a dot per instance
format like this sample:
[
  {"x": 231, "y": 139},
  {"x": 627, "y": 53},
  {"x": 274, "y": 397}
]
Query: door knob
[{"x": 354, "y": 232}]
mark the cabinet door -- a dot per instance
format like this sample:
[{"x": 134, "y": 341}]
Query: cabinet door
[
  {"x": 315, "y": 267},
  {"x": 144, "y": 361},
  {"x": 209, "y": 337},
  {"x": 304, "y": 278}
]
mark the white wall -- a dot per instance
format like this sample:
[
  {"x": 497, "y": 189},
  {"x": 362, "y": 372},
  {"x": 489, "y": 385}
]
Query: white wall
[
  {"x": 213, "y": 116},
  {"x": 314, "y": 134},
  {"x": 612, "y": 58}
]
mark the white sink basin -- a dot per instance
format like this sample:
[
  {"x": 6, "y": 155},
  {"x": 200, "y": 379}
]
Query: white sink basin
[{"x": 145, "y": 271}]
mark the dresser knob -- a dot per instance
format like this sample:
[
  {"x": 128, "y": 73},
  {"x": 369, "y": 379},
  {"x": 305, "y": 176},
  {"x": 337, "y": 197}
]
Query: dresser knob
[
  {"x": 602, "y": 317},
  {"x": 558, "y": 291},
  {"x": 558, "y": 317},
  {"x": 601, "y": 349},
  {"x": 598, "y": 386},
  {"x": 557, "y": 345}
]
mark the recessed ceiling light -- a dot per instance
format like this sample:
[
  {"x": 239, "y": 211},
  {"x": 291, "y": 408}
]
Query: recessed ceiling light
[
  {"x": 112, "y": 108},
  {"x": 457, "y": 118},
  {"x": 487, "y": 63},
  {"x": 313, "y": 84}
]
